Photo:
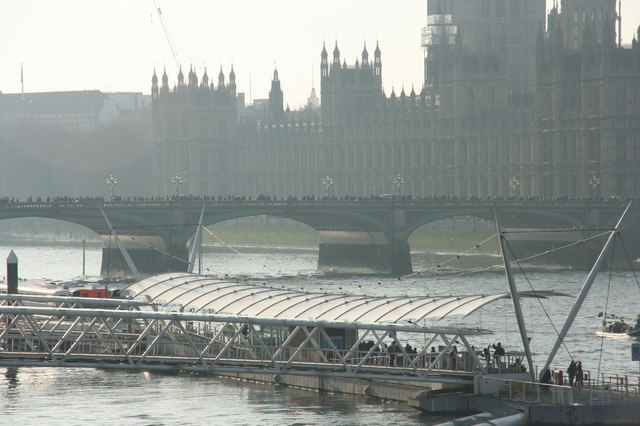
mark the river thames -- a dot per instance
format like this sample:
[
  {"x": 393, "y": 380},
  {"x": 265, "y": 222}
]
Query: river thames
[{"x": 81, "y": 396}]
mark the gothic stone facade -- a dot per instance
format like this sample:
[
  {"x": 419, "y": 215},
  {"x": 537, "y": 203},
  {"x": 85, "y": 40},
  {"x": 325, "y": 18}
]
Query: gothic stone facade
[{"x": 467, "y": 132}]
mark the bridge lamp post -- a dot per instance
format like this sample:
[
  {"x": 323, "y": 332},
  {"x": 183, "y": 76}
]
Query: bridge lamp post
[
  {"x": 594, "y": 181},
  {"x": 112, "y": 181},
  {"x": 398, "y": 181},
  {"x": 177, "y": 180},
  {"x": 514, "y": 184},
  {"x": 327, "y": 181}
]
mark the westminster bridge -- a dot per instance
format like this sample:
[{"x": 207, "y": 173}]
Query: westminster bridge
[{"x": 356, "y": 234}]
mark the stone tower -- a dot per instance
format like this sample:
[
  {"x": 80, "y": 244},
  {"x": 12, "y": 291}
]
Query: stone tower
[{"x": 482, "y": 24}]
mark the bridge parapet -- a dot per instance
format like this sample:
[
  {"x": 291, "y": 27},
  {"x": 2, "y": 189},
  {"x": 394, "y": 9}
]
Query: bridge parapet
[
  {"x": 352, "y": 231},
  {"x": 356, "y": 202}
]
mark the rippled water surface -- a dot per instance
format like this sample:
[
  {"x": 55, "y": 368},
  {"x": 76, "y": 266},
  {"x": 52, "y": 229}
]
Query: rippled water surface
[{"x": 81, "y": 396}]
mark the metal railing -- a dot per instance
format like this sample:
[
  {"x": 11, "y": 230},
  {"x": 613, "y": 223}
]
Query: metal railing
[
  {"x": 609, "y": 389},
  {"x": 130, "y": 338}
]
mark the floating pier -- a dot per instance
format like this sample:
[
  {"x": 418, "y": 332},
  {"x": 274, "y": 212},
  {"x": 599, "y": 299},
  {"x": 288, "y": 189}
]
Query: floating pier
[{"x": 77, "y": 332}]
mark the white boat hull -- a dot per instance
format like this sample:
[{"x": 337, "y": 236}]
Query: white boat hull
[{"x": 612, "y": 335}]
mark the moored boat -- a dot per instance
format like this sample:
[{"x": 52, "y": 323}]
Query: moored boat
[
  {"x": 42, "y": 287},
  {"x": 615, "y": 327}
]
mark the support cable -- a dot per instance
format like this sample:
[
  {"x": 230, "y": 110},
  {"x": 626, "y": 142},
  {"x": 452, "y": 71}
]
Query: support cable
[
  {"x": 456, "y": 257},
  {"x": 606, "y": 304},
  {"x": 493, "y": 267},
  {"x": 521, "y": 269},
  {"x": 626, "y": 253}
]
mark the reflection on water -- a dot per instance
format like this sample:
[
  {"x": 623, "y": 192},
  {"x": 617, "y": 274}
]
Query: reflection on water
[
  {"x": 36, "y": 395},
  {"x": 56, "y": 396},
  {"x": 11, "y": 374}
]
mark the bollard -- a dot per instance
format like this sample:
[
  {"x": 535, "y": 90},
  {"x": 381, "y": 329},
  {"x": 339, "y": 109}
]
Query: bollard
[{"x": 12, "y": 273}]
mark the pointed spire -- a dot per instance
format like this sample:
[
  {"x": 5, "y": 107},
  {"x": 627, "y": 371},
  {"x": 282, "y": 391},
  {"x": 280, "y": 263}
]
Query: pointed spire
[
  {"x": 377, "y": 61},
  {"x": 232, "y": 81},
  {"x": 154, "y": 85},
  {"x": 365, "y": 55},
  {"x": 313, "y": 102},
  {"x": 205, "y": 79},
  {"x": 324, "y": 63},
  {"x": 193, "y": 78},
  {"x": 165, "y": 80},
  {"x": 276, "y": 99},
  {"x": 336, "y": 55},
  {"x": 220, "y": 78},
  {"x": 180, "y": 77}
]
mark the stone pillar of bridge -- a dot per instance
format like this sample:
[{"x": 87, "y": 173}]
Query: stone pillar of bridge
[
  {"x": 163, "y": 250},
  {"x": 393, "y": 259},
  {"x": 400, "y": 258},
  {"x": 368, "y": 252},
  {"x": 148, "y": 261},
  {"x": 399, "y": 249}
]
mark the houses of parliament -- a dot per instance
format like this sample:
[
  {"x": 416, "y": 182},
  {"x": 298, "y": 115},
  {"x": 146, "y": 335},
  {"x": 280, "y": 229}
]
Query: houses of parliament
[{"x": 516, "y": 102}]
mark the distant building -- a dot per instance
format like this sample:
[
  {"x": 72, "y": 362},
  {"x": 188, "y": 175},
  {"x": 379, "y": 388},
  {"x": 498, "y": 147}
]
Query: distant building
[
  {"x": 507, "y": 110},
  {"x": 73, "y": 110},
  {"x": 587, "y": 105},
  {"x": 487, "y": 25},
  {"x": 194, "y": 130},
  {"x": 67, "y": 143}
]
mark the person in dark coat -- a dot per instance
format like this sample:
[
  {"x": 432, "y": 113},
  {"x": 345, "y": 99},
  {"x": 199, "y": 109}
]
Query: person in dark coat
[
  {"x": 571, "y": 372},
  {"x": 579, "y": 374}
]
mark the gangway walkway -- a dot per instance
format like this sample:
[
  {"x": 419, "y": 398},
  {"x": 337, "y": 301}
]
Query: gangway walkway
[
  {"x": 127, "y": 334},
  {"x": 50, "y": 331}
]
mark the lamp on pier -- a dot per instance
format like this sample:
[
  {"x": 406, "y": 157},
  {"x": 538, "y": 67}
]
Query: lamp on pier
[
  {"x": 514, "y": 184},
  {"x": 177, "y": 180},
  {"x": 327, "y": 181},
  {"x": 112, "y": 181},
  {"x": 594, "y": 181},
  {"x": 398, "y": 181}
]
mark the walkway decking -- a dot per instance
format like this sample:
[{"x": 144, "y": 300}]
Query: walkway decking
[{"x": 131, "y": 335}]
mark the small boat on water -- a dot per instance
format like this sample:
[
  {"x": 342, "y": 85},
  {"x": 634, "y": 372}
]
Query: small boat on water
[
  {"x": 42, "y": 287},
  {"x": 615, "y": 327}
]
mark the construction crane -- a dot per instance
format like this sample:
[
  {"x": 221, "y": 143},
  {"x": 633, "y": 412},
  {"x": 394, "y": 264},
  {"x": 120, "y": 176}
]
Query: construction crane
[{"x": 167, "y": 34}]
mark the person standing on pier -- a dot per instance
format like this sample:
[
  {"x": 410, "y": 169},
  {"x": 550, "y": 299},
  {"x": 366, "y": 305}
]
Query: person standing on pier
[
  {"x": 579, "y": 374},
  {"x": 453, "y": 357},
  {"x": 571, "y": 372},
  {"x": 498, "y": 352}
]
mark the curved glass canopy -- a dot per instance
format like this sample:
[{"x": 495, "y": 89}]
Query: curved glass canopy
[{"x": 202, "y": 294}]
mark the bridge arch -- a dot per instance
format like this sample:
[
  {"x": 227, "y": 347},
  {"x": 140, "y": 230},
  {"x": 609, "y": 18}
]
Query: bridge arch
[
  {"x": 554, "y": 219},
  {"x": 346, "y": 239},
  {"x": 370, "y": 231}
]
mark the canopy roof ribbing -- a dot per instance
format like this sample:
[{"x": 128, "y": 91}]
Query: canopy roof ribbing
[{"x": 202, "y": 294}]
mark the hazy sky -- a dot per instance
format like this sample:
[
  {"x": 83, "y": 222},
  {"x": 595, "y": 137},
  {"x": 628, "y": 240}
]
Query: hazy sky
[{"x": 114, "y": 45}]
